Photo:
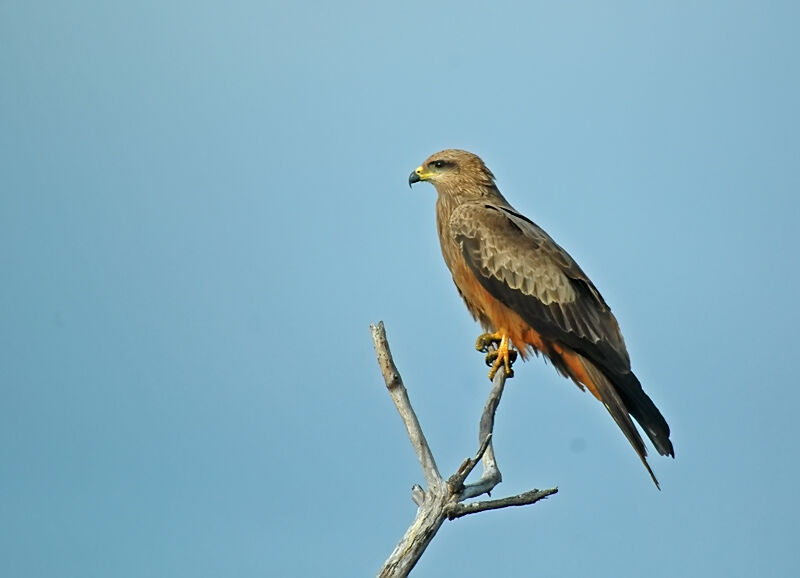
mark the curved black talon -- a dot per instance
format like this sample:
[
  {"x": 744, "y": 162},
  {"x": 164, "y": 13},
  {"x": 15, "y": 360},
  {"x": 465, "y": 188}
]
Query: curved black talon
[{"x": 492, "y": 356}]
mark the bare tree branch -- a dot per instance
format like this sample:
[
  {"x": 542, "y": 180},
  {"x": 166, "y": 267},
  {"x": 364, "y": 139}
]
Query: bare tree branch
[
  {"x": 491, "y": 473},
  {"x": 430, "y": 517},
  {"x": 417, "y": 494},
  {"x": 442, "y": 500},
  {"x": 523, "y": 499},
  {"x": 394, "y": 383},
  {"x": 456, "y": 481}
]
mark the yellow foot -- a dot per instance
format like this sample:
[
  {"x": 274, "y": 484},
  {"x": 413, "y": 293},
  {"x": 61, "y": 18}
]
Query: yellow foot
[{"x": 503, "y": 356}]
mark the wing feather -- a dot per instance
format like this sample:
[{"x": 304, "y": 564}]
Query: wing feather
[{"x": 520, "y": 265}]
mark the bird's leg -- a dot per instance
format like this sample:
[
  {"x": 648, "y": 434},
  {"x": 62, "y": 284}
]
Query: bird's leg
[{"x": 503, "y": 356}]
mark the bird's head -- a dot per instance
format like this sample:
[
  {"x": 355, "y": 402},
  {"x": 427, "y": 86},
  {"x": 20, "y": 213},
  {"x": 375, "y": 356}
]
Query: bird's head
[{"x": 453, "y": 170}]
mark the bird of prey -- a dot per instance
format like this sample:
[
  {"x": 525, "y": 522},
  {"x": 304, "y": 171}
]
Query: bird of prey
[{"x": 529, "y": 294}]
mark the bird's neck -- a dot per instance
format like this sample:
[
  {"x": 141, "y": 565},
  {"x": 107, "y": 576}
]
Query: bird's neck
[
  {"x": 448, "y": 199},
  {"x": 446, "y": 203}
]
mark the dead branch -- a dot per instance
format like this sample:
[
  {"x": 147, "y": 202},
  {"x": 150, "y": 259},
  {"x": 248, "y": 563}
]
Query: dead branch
[
  {"x": 523, "y": 499},
  {"x": 442, "y": 499},
  {"x": 394, "y": 383}
]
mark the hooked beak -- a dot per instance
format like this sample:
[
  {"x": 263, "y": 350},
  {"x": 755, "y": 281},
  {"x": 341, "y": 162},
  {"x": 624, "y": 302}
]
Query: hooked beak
[{"x": 417, "y": 175}]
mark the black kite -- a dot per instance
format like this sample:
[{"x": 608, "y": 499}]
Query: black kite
[{"x": 528, "y": 292}]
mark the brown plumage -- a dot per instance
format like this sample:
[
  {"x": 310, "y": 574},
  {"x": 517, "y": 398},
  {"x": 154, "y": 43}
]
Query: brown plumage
[{"x": 518, "y": 282}]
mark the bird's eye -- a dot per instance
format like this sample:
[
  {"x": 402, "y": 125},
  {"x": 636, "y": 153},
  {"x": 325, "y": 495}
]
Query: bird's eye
[{"x": 438, "y": 164}]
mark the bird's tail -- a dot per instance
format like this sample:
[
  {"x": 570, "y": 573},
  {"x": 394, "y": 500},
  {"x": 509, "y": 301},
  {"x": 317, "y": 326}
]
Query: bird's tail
[
  {"x": 623, "y": 398},
  {"x": 645, "y": 412}
]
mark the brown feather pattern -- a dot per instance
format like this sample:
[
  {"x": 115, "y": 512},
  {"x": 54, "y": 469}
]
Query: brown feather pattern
[{"x": 517, "y": 280}]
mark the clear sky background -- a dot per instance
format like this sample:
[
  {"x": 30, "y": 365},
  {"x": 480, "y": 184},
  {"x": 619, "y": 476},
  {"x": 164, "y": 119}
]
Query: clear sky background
[{"x": 203, "y": 205}]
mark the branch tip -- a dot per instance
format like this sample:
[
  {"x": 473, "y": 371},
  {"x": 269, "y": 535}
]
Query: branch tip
[
  {"x": 418, "y": 495},
  {"x": 524, "y": 499}
]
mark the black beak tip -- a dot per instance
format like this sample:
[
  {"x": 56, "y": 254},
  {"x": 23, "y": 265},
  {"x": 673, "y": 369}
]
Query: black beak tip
[{"x": 413, "y": 178}]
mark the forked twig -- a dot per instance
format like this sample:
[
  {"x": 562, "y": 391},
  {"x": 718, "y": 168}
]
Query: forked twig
[{"x": 442, "y": 499}]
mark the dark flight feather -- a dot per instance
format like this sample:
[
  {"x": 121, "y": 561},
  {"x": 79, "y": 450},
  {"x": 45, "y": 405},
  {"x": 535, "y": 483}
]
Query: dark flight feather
[{"x": 580, "y": 320}]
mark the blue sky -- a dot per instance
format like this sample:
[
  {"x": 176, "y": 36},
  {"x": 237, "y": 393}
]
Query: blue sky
[{"x": 204, "y": 205}]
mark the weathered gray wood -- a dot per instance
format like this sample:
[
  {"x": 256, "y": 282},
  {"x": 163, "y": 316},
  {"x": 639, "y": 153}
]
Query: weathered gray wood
[
  {"x": 442, "y": 499},
  {"x": 523, "y": 499},
  {"x": 394, "y": 383}
]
